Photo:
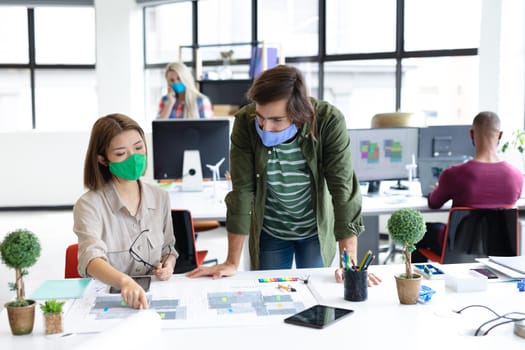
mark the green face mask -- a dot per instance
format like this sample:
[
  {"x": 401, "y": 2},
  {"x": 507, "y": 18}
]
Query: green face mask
[{"x": 130, "y": 169}]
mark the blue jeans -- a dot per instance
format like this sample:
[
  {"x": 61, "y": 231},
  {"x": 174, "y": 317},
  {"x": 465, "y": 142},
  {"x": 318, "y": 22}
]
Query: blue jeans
[{"x": 278, "y": 253}]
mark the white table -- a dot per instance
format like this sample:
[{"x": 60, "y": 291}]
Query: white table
[
  {"x": 209, "y": 205},
  {"x": 203, "y": 205},
  {"x": 379, "y": 322}
]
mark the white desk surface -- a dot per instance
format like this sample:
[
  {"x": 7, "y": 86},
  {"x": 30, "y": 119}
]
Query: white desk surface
[
  {"x": 209, "y": 204},
  {"x": 206, "y": 205},
  {"x": 380, "y": 322}
]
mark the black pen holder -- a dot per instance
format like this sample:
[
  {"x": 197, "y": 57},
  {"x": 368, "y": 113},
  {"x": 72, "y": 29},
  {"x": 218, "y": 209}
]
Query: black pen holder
[{"x": 356, "y": 285}]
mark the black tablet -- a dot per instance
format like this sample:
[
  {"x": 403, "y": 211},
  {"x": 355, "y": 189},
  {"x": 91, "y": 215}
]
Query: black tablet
[
  {"x": 318, "y": 316},
  {"x": 143, "y": 281}
]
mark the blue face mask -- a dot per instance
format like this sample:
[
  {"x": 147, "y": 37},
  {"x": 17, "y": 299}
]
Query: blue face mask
[
  {"x": 178, "y": 87},
  {"x": 274, "y": 138}
]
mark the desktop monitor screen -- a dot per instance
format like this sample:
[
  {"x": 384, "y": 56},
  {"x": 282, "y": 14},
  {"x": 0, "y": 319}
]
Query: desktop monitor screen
[
  {"x": 382, "y": 154},
  {"x": 211, "y": 137},
  {"x": 445, "y": 141}
]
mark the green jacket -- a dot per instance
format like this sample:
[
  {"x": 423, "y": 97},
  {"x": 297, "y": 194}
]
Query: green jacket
[{"x": 334, "y": 184}]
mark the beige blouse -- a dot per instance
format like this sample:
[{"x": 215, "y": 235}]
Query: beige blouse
[{"x": 107, "y": 230}]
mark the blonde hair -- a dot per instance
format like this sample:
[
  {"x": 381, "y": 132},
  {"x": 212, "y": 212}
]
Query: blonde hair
[{"x": 191, "y": 109}]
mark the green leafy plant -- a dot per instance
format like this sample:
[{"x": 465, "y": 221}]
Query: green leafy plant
[
  {"x": 52, "y": 306},
  {"x": 407, "y": 227},
  {"x": 19, "y": 250},
  {"x": 517, "y": 142},
  {"x": 515, "y": 147}
]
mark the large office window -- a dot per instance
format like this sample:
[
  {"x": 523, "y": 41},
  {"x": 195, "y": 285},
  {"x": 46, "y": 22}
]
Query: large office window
[
  {"x": 47, "y": 68},
  {"x": 442, "y": 24},
  {"x": 224, "y": 21},
  {"x": 360, "y": 89},
  {"x": 366, "y": 57},
  {"x": 355, "y": 26},
  {"x": 292, "y": 23},
  {"x": 450, "y": 98},
  {"x": 64, "y": 35},
  {"x": 13, "y": 47},
  {"x": 166, "y": 28}
]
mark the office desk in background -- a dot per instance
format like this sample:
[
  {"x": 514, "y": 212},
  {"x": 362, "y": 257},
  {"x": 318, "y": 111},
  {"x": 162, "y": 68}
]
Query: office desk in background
[
  {"x": 204, "y": 205},
  {"x": 380, "y": 322},
  {"x": 209, "y": 205}
]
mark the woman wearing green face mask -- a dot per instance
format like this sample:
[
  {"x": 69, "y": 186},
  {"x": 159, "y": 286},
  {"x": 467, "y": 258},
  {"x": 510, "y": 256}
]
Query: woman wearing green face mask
[{"x": 123, "y": 225}]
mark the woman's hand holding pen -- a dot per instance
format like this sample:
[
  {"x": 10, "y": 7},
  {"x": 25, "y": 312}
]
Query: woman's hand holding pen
[{"x": 164, "y": 269}]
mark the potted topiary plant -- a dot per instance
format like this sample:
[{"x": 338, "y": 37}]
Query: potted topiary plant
[
  {"x": 19, "y": 250},
  {"x": 52, "y": 310},
  {"x": 407, "y": 227}
]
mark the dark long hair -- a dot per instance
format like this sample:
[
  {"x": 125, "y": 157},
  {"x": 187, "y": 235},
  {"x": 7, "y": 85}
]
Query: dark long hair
[{"x": 285, "y": 82}]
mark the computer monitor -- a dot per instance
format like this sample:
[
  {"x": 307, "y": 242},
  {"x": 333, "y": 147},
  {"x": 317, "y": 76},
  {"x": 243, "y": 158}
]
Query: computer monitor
[
  {"x": 226, "y": 92},
  {"x": 383, "y": 154},
  {"x": 445, "y": 141},
  {"x": 178, "y": 144}
]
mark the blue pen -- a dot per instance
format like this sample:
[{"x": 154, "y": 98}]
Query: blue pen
[
  {"x": 345, "y": 259},
  {"x": 369, "y": 261}
]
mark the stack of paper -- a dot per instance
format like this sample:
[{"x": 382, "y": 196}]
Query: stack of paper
[{"x": 516, "y": 263}]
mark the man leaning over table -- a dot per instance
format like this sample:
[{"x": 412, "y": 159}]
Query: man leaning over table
[{"x": 295, "y": 193}]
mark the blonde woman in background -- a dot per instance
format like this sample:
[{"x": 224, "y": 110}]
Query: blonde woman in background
[{"x": 183, "y": 100}]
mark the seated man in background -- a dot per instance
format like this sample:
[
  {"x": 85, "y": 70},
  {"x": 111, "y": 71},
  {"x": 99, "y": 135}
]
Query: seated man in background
[{"x": 486, "y": 181}]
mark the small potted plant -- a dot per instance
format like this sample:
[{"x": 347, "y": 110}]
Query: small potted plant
[
  {"x": 52, "y": 310},
  {"x": 407, "y": 227},
  {"x": 515, "y": 146},
  {"x": 19, "y": 250}
]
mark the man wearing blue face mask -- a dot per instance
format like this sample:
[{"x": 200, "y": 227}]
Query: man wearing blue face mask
[
  {"x": 182, "y": 99},
  {"x": 294, "y": 191}
]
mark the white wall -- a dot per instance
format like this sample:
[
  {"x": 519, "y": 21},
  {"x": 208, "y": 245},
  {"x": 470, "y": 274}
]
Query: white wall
[
  {"x": 46, "y": 168},
  {"x": 502, "y": 61},
  {"x": 41, "y": 168},
  {"x": 120, "y": 63}
]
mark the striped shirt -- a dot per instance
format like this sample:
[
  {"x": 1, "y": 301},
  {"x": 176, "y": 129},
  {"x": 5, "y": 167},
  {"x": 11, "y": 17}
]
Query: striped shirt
[
  {"x": 203, "y": 105},
  {"x": 288, "y": 210}
]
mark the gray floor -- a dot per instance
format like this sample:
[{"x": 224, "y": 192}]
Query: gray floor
[{"x": 54, "y": 228}]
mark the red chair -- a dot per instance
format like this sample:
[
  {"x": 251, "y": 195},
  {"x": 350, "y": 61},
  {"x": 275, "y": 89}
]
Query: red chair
[
  {"x": 183, "y": 229},
  {"x": 71, "y": 270},
  {"x": 477, "y": 233}
]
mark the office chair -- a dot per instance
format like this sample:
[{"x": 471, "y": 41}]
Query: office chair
[
  {"x": 71, "y": 270},
  {"x": 477, "y": 233},
  {"x": 189, "y": 258}
]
